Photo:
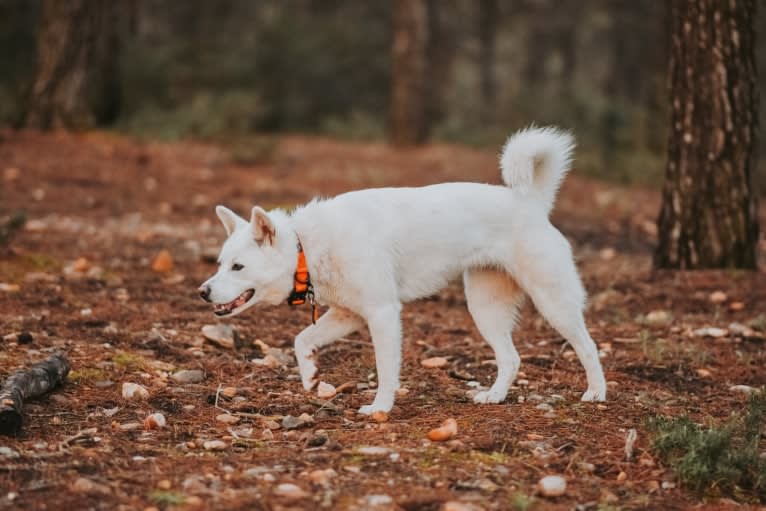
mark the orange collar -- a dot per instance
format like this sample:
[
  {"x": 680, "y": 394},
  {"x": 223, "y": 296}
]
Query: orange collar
[{"x": 303, "y": 290}]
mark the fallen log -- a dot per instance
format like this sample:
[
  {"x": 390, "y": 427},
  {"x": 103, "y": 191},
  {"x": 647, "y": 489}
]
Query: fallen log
[{"x": 28, "y": 383}]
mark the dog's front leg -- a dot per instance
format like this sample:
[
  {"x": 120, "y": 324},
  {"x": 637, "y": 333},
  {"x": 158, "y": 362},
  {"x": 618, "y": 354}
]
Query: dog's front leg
[
  {"x": 386, "y": 330},
  {"x": 335, "y": 323}
]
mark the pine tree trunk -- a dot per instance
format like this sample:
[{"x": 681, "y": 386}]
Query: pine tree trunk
[
  {"x": 409, "y": 120},
  {"x": 76, "y": 83},
  {"x": 708, "y": 216},
  {"x": 488, "y": 13}
]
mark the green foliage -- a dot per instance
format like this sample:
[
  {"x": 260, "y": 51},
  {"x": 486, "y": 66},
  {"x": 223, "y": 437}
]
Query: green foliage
[
  {"x": 719, "y": 460},
  {"x": 205, "y": 116},
  {"x": 522, "y": 502},
  {"x": 10, "y": 226},
  {"x": 86, "y": 374},
  {"x": 167, "y": 498},
  {"x": 129, "y": 361}
]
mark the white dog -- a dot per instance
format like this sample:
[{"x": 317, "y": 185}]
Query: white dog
[{"x": 369, "y": 251}]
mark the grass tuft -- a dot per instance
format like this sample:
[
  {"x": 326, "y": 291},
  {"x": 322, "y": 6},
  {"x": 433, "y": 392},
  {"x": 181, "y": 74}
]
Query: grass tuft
[{"x": 720, "y": 460}]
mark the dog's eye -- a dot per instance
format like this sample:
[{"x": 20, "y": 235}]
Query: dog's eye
[{"x": 236, "y": 267}]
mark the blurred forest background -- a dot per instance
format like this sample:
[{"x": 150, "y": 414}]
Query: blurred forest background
[{"x": 238, "y": 69}]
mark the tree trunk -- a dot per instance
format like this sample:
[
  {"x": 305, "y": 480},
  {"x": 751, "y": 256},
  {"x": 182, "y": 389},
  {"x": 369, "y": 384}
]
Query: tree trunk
[
  {"x": 409, "y": 123},
  {"x": 708, "y": 215},
  {"x": 76, "y": 83},
  {"x": 488, "y": 13},
  {"x": 440, "y": 54}
]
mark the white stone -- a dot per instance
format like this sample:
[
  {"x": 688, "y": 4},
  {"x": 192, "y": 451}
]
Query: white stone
[
  {"x": 552, "y": 486},
  {"x": 227, "y": 418},
  {"x": 710, "y": 331},
  {"x": 134, "y": 391},
  {"x": 745, "y": 389},
  {"x": 325, "y": 390},
  {"x": 290, "y": 491},
  {"x": 214, "y": 445}
]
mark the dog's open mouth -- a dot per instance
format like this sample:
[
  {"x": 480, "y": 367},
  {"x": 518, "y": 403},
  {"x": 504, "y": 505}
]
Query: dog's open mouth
[{"x": 222, "y": 309}]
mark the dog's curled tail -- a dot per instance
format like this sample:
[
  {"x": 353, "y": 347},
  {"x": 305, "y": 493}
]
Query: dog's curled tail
[{"x": 535, "y": 160}]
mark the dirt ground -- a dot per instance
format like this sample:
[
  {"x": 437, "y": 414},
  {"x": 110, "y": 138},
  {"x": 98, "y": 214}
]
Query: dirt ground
[{"x": 101, "y": 207}]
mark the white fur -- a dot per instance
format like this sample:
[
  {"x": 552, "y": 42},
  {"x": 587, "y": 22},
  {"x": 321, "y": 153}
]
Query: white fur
[{"x": 371, "y": 250}]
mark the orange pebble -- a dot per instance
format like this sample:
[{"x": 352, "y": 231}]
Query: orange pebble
[
  {"x": 447, "y": 430},
  {"x": 163, "y": 263},
  {"x": 380, "y": 416}
]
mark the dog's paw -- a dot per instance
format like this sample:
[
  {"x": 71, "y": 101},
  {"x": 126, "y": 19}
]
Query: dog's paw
[
  {"x": 594, "y": 395},
  {"x": 489, "y": 396},
  {"x": 308, "y": 372},
  {"x": 370, "y": 409}
]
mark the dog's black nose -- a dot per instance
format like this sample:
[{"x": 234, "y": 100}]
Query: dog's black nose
[{"x": 204, "y": 293}]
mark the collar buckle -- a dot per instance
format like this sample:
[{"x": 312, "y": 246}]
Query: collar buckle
[{"x": 303, "y": 290}]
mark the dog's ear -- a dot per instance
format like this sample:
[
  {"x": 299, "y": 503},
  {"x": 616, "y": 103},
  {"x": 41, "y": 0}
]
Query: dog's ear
[
  {"x": 263, "y": 227},
  {"x": 229, "y": 219}
]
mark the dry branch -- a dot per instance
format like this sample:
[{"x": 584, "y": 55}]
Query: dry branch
[{"x": 28, "y": 383}]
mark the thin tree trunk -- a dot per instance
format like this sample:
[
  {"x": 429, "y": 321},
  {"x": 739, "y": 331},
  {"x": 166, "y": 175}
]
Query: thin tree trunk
[
  {"x": 488, "y": 13},
  {"x": 708, "y": 215},
  {"x": 76, "y": 83},
  {"x": 409, "y": 120},
  {"x": 440, "y": 53}
]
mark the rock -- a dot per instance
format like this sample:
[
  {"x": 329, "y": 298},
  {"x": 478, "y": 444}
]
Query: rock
[
  {"x": 434, "y": 362},
  {"x": 163, "y": 262},
  {"x": 373, "y": 450},
  {"x": 379, "y": 416},
  {"x": 703, "y": 373},
  {"x": 164, "y": 484},
  {"x": 325, "y": 390},
  {"x": 227, "y": 418},
  {"x": 221, "y": 334},
  {"x": 736, "y": 306},
  {"x": 734, "y": 329},
  {"x": 154, "y": 421},
  {"x": 290, "y": 422},
  {"x": 402, "y": 391},
  {"x": 270, "y": 424},
  {"x": 134, "y": 391},
  {"x": 318, "y": 439},
  {"x": 7, "y": 452},
  {"x": 658, "y": 318},
  {"x": 607, "y": 254},
  {"x": 454, "y": 505},
  {"x": 378, "y": 500},
  {"x": 193, "y": 501},
  {"x": 718, "y": 297},
  {"x": 544, "y": 407},
  {"x": 447, "y": 430},
  {"x": 229, "y": 391},
  {"x": 622, "y": 477},
  {"x": 267, "y": 361},
  {"x": 9, "y": 288},
  {"x": 214, "y": 445},
  {"x": 322, "y": 477},
  {"x": 188, "y": 376},
  {"x": 710, "y": 331},
  {"x": 11, "y": 173},
  {"x": 84, "y": 485},
  {"x": 290, "y": 491},
  {"x": 81, "y": 265},
  {"x": 744, "y": 389},
  {"x": 552, "y": 486}
]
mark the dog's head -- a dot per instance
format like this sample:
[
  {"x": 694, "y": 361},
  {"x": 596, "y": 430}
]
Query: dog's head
[{"x": 254, "y": 264}]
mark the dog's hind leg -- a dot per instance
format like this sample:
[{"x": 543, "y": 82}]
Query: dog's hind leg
[
  {"x": 550, "y": 279},
  {"x": 333, "y": 324},
  {"x": 493, "y": 300}
]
